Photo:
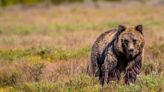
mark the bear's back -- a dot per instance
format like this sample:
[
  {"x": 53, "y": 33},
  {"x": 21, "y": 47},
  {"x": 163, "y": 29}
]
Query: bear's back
[
  {"x": 102, "y": 41},
  {"x": 97, "y": 49}
]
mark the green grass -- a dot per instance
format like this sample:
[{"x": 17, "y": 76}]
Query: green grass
[
  {"x": 43, "y": 53},
  {"x": 83, "y": 83},
  {"x": 80, "y": 83}
]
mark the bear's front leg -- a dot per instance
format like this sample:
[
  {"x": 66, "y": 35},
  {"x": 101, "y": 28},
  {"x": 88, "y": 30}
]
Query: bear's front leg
[
  {"x": 109, "y": 64},
  {"x": 114, "y": 75},
  {"x": 132, "y": 70}
]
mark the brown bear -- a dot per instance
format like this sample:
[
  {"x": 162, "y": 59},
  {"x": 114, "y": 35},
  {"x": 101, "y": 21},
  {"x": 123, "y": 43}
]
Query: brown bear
[{"x": 116, "y": 51}]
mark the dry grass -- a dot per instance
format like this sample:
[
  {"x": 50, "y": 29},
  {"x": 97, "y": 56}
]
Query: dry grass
[{"x": 47, "y": 49}]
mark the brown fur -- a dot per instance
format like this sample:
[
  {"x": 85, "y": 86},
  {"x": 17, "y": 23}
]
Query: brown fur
[{"x": 116, "y": 51}]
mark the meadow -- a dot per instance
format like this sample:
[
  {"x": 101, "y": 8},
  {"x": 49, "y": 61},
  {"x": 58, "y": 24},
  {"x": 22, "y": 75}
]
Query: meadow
[{"x": 47, "y": 49}]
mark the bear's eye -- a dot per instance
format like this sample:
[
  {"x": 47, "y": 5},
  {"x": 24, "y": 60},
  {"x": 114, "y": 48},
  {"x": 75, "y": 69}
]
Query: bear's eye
[
  {"x": 134, "y": 41},
  {"x": 126, "y": 41}
]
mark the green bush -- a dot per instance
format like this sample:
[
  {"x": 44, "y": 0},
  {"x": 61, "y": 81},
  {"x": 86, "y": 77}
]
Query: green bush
[
  {"x": 40, "y": 87},
  {"x": 9, "y": 77},
  {"x": 11, "y": 55},
  {"x": 153, "y": 83},
  {"x": 65, "y": 1},
  {"x": 29, "y": 2},
  {"x": 131, "y": 88},
  {"x": 8, "y": 2}
]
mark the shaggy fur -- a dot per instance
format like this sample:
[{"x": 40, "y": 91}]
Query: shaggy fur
[{"x": 116, "y": 51}]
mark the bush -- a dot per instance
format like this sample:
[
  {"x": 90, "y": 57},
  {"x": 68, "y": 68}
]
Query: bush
[
  {"x": 65, "y": 1},
  {"x": 8, "y": 2},
  {"x": 40, "y": 87},
  {"x": 29, "y": 2},
  {"x": 9, "y": 76},
  {"x": 35, "y": 71},
  {"x": 153, "y": 83}
]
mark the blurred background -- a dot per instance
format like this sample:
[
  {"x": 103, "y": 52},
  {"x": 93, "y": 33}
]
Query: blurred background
[
  {"x": 5, "y": 3},
  {"x": 45, "y": 44}
]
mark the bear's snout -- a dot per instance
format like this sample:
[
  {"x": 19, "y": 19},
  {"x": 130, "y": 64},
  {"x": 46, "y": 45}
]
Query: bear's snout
[{"x": 130, "y": 49}]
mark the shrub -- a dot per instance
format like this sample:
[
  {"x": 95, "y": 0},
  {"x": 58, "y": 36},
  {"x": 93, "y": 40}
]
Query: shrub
[
  {"x": 8, "y": 2},
  {"x": 153, "y": 83},
  {"x": 9, "y": 76},
  {"x": 35, "y": 71},
  {"x": 65, "y": 1},
  {"x": 40, "y": 87},
  {"x": 29, "y": 2}
]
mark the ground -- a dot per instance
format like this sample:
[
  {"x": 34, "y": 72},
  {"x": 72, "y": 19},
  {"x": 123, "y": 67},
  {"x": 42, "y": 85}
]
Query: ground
[{"x": 47, "y": 49}]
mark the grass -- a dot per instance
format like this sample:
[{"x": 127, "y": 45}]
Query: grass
[
  {"x": 83, "y": 83},
  {"x": 47, "y": 50},
  {"x": 43, "y": 53}
]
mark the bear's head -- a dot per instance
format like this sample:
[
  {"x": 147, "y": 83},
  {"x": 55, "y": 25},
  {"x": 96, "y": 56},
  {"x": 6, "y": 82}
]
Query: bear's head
[{"x": 130, "y": 41}]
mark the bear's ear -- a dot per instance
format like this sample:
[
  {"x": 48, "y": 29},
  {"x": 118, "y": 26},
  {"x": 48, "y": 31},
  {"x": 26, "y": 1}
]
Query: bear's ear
[
  {"x": 139, "y": 28},
  {"x": 121, "y": 28}
]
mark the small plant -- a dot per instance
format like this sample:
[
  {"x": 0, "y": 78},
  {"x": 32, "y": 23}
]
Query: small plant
[
  {"x": 43, "y": 52},
  {"x": 9, "y": 77},
  {"x": 153, "y": 83},
  {"x": 35, "y": 71},
  {"x": 83, "y": 82}
]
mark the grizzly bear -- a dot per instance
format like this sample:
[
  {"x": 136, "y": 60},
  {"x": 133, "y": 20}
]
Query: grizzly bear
[{"x": 118, "y": 51}]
